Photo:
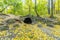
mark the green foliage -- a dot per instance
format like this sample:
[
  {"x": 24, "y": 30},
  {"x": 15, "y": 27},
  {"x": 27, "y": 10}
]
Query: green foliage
[
  {"x": 42, "y": 7},
  {"x": 21, "y": 7}
]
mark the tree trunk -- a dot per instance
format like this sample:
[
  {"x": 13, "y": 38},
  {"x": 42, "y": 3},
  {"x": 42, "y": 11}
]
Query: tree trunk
[
  {"x": 54, "y": 7},
  {"x": 51, "y": 9},
  {"x": 49, "y": 6},
  {"x": 58, "y": 6},
  {"x": 29, "y": 10},
  {"x": 36, "y": 8}
]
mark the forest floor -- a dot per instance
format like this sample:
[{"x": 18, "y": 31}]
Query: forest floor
[{"x": 13, "y": 28}]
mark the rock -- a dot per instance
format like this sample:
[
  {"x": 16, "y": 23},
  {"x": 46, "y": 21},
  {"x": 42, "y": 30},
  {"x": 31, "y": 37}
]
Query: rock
[
  {"x": 50, "y": 25},
  {"x": 39, "y": 25},
  {"x": 3, "y": 27},
  {"x": 58, "y": 23},
  {"x": 10, "y": 21},
  {"x": 4, "y": 16},
  {"x": 34, "y": 21},
  {"x": 16, "y": 25}
]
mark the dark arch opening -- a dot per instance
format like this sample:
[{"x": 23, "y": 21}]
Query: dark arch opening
[{"x": 28, "y": 20}]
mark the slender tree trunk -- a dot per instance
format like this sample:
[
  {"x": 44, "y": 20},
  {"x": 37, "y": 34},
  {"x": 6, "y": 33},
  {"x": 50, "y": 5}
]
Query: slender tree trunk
[
  {"x": 54, "y": 6},
  {"x": 29, "y": 10},
  {"x": 51, "y": 9},
  {"x": 49, "y": 6},
  {"x": 58, "y": 6},
  {"x": 36, "y": 8}
]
